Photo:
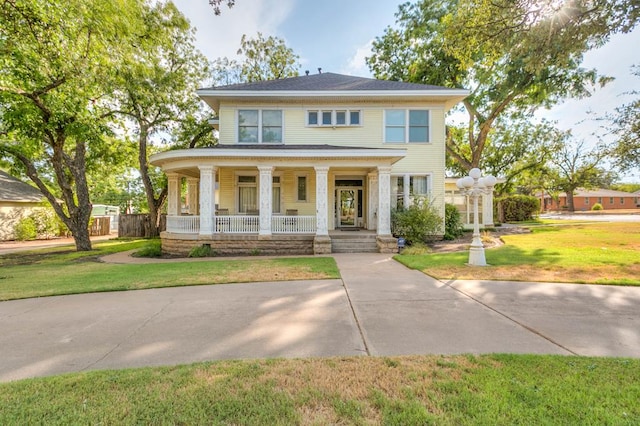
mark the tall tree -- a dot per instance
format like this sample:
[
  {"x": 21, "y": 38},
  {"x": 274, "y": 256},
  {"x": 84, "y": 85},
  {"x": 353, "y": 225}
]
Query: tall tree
[
  {"x": 574, "y": 166},
  {"x": 626, "y": 128},
  {"x": 217, "y": 3},
  {"x": 260, "y": 58},
  {"x": 514, "y": 56},
  {"x": 58, "y": 60},
  {"x": 158, "y": 98}
]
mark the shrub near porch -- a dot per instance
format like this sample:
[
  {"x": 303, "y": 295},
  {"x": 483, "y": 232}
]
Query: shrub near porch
[{"x": 603, "y": 253}]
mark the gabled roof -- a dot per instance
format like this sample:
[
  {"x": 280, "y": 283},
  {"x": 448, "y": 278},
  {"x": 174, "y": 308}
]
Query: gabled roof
[
  {"x": 14, "y": 190},
  {"x": 330, "y": 86}
]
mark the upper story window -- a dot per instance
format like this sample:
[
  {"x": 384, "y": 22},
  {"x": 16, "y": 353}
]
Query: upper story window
[
  {"x": 406, "y": 126},
  {"x": 333, "y": 118},
  {"x": 260, "y": 126}
]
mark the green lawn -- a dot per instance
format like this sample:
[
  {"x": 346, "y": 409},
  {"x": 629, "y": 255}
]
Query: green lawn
[
  {"x": 416, "y": 390},
  {"x": 599, "y": 253},
  {"x": 63, "y": 271}
]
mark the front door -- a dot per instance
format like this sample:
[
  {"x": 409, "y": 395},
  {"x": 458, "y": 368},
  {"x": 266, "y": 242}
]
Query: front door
[{"x": 347, "y": 207}]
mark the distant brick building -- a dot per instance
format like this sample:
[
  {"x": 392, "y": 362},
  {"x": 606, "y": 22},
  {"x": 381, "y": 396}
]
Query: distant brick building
[{"x": 584, "y": 200}]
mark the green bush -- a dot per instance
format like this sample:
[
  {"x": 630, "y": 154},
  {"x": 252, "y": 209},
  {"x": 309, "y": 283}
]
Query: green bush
[
  {"x": 26, "y": 229},
  {"x": 419, "y": 223},
  {"x": 47, "y": 223},
  {"x": 518, "y": 208},
  {"x": 453, "y": 227},
  {"x": 153, "y": 249},
  {"x": 204, "y": 250},
  {"x": 597, "y": 206}
]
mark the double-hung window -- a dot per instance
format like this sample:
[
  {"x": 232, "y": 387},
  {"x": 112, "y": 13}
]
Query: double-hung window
[
  {"x": 406, "y": 126},
  {"x": 247, "y": 193},
  {"x": 260, "y": 126}
]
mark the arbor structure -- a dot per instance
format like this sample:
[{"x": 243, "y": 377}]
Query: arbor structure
[
  {"x": 514, "y": 56},
  {"x": 59, "y": 59}
]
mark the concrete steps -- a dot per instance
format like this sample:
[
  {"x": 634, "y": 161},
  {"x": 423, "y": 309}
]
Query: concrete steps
[{"x": 353, "y": 242}]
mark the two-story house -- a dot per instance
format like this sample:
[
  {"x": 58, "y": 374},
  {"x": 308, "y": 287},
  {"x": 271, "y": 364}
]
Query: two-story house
[{"x": 302, "y": 161}]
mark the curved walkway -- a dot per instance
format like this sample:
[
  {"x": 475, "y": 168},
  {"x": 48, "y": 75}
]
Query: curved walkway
[{"x": 378, "y": 307}]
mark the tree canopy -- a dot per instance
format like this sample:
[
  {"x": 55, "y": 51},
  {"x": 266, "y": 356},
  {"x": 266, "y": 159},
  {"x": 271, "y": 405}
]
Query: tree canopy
[
  {"x": 514, "y": 56},
  {"x": 59, "y": 61},
  {"x": 626, "y": 128},
  {"x": 260, "y": 58}
]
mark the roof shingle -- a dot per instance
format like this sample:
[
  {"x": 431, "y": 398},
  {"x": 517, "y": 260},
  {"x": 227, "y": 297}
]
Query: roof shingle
[{"x": 327, "y": 82}]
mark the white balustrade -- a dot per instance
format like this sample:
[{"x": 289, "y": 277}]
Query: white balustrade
[
  {"x": 243, "y": 224},
  {"x": 293, "y": 224},
  {"x": 237, "y": 224},
  {"x": 183, "y": 224}
]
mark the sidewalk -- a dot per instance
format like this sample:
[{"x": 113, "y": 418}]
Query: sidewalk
[
  {"x": 18, "y": 246},
  {"x": 378, "y": 307}
]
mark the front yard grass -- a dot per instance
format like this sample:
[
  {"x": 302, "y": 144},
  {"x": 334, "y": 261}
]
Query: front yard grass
[
  {"x": 595, "y": 253},
  {"x": 62, "y": 270},
  {"x": 411, "y": 390}
]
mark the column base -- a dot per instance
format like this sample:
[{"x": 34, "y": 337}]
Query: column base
[
  {"x": 387, "y": 244},
  {"x": 322, "y": 244}
]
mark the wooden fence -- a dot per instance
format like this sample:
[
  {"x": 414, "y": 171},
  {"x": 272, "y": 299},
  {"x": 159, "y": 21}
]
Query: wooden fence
[
  {"x": 138, "y": 225},
  {"x": 100, "y": 225}
]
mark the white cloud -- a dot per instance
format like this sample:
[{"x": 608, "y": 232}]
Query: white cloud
[
  {"x": 357, "y": 64},
  {"x": 219, "y": 36}
]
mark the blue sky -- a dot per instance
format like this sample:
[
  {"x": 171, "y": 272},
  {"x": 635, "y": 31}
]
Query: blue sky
[{"x": 336, "y": 35}]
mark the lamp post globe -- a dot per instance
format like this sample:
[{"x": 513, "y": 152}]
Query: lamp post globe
[{"x": 475, "y": 186}]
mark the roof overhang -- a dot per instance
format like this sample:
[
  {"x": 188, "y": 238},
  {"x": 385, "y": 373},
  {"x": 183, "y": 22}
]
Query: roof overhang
[
  {"x": 449, "y": 97},
  {"x": 177, "y": 160}
]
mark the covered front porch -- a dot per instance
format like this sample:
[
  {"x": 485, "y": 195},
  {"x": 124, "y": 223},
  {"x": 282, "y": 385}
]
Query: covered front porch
[{"x": 275, "y": 200}]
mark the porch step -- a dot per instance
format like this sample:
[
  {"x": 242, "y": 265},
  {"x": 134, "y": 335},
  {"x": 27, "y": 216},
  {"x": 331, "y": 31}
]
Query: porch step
[{"x": 354, "y": 244}]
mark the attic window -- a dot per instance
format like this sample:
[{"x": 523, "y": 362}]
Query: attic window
[{"x": 333, "y": 118}]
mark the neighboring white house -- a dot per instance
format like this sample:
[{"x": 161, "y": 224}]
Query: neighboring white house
[
  {"x": 301, "y": 160},
  {"x": 17, "y": 200}
]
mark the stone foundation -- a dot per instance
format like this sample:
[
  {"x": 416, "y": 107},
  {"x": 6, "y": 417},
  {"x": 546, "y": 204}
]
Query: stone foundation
[
  {"x": 180, "y": 245},
  {"x": 387, "y": 244},
  {"x": 322, "y": 244}
]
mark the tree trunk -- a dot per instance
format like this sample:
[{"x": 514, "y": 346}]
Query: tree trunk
[
  {"x": 570, "y": 206},
  {"x": 81, "y": 238}
]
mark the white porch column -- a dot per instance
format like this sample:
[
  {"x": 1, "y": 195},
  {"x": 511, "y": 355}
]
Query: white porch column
[
  {"x": 487, "y": 209},
  {"x": 384, "y": 200},
  {"x": 266, "y": 199},
  {"x": 372, "y": 217},
  {"x": 406, "y": 193},
  {"x": 207, "y": 213},
  {"x": 322, "y": 197},
  {"x": 173, "y": 194},
  {"x": 192, "y": 195}
]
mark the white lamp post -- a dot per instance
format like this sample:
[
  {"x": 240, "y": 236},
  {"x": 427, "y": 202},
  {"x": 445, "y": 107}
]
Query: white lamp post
[{"x": 474, "y": 186}]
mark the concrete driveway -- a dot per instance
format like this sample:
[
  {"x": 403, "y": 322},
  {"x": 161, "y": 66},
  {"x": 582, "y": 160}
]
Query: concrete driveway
[{"x": 379, "y": 307}]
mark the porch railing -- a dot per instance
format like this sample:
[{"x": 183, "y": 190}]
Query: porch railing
[
  {"x": 237, "y": 224},
  {"x": 243, "y": 224},
  {"x": 183, "y": 224},
  {"x": 293, "y": 224}
]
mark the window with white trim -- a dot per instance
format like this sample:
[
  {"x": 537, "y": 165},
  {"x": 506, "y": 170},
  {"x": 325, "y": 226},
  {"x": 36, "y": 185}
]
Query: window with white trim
[
  {"x": 247, "y": 193},
  {"x": 301, "y": 188},
  {"x": 333, "y": 118},
  {"x": 406, "y": 126},
  {"x": 275, "y": 194},
  {"x": 419, "y": 189},
  {"x": 260, "y": 126}
]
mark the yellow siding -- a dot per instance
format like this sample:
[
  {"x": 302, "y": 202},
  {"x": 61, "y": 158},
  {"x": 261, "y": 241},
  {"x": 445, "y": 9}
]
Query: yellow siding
[{"x": 421, "y": 158}]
